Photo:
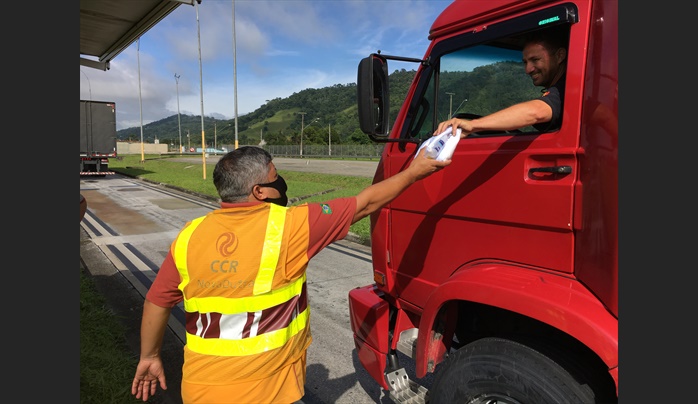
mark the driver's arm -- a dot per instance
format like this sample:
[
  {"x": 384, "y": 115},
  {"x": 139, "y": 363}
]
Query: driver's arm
[{"x": 514, "y": 117}]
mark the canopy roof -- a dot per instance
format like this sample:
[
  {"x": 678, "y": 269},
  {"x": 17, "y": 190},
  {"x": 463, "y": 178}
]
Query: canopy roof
[{"x": 107, "y": 27}]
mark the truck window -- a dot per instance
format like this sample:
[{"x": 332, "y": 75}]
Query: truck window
[{"x": 473, "y": 81}]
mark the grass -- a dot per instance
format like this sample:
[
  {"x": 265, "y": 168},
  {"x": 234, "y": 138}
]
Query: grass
[
  {"x": 107, "y": 365},
  {"x": 302, "y": 187}
]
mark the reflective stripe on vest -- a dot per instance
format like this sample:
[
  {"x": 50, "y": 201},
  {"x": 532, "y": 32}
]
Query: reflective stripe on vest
[
  {"x": 271, "y": 250},
  {"x": 238, "y": 333},
  {"x": 247, "y": 325},
  {"x": 181, "y": 251}
]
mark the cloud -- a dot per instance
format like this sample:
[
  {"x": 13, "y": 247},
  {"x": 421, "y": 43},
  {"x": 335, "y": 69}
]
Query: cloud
[{"x": 281, "y": 48}]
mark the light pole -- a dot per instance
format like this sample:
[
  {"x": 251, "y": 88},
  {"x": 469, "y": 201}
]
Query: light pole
[
  {"x": 201, "y": 91},
  {"x": 89, "y": 85},
  {"x": 450, "y": 105},
  {"x": 329, "y": 140},
  {"x": 235, "y": 78},
  {"x": 303, "y": 128},
  {"x": 302, "y": 114},
  {"x": 179, "y": 120},
  {"x": 140, "y": 99},
  {"x": 188, "y": 141}
]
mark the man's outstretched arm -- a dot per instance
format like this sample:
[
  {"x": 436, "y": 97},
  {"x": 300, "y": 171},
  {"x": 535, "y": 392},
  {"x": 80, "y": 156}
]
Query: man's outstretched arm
[
  {"x": 380, "y": 194},
  {"x": 514, "y": 117}
]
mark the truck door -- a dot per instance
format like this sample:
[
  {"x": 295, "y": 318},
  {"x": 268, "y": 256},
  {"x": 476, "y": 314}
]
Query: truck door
[{"x": 507, "y": 197}]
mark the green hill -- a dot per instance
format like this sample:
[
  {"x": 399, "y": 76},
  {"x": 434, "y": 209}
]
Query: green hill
[{"x": 334, "y": 108}]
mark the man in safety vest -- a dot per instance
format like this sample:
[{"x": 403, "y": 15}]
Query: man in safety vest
[{"x": 240, "y": 271}]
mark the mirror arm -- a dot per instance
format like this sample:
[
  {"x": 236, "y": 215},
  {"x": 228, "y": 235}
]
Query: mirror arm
[{"x": 424, "y": 62}]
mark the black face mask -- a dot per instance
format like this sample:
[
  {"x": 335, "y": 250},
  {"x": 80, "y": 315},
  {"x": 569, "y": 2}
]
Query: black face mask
[{"x": 280, "y": 185}]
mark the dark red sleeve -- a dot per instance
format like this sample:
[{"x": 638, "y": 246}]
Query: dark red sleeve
[
  {"x": 164, "y": 292},
  {"x": 329, "y": 222}
]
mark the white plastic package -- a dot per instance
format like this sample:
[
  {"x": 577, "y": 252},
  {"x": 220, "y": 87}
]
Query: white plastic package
[{"x": 441, "y": 146}]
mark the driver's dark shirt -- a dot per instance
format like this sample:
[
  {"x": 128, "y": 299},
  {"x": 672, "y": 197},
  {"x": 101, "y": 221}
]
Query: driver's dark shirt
[{"x": 553, "y": 96}]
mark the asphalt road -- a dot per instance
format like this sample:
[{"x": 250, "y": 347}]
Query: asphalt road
[
  {"x": 358, "y": 168},
  {"x": 339, "y": 167}
]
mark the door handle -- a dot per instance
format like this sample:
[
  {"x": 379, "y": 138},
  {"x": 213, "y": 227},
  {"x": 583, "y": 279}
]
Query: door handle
[{"x": 555, "y": 170}]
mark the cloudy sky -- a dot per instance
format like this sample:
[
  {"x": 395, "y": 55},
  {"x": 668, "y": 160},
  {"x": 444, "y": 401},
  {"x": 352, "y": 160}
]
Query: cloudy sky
[{"x": 281, "y": 46}]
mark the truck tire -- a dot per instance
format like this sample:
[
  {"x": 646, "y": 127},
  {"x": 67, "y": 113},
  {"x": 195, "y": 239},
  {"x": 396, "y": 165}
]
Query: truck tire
[{"x": 496, "y": 370}]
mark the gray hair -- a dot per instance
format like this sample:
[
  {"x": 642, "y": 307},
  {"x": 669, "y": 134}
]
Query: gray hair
[{"x": 240, "y": 170}]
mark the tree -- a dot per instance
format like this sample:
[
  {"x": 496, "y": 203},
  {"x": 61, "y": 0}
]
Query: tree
[{"x": 358, "y": 137}]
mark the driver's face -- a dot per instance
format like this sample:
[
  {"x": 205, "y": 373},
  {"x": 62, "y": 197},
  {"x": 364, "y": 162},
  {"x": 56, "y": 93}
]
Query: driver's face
[{"x": 541, "y": 66}]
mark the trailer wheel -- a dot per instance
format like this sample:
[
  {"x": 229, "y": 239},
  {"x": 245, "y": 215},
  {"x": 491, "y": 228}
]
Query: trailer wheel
[{"x": 496, "y": 370}]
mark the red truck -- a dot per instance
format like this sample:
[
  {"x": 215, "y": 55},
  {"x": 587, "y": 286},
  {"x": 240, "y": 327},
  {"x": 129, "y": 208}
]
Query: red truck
[{"x": 499, "y": 274}]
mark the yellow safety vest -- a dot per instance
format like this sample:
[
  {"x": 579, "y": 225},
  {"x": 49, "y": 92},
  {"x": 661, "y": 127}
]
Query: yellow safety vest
[{"x": 241, "y": 326}]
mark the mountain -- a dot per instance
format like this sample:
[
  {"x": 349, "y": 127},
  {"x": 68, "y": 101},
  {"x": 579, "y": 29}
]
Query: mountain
[
  {"x": 334, "y": 109},
  {"x": 279, "y": 121}
]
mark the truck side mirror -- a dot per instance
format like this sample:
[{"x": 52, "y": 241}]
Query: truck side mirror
[{"x": 373, "y": 95}]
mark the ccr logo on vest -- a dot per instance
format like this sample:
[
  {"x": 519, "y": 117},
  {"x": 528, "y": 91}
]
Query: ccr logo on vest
[
  {"x": 225, "y": 266},
  {"x": 226, "y": 244}
]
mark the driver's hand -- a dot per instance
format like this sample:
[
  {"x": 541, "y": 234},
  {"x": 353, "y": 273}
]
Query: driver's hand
[{"x": 455, "y": 123}]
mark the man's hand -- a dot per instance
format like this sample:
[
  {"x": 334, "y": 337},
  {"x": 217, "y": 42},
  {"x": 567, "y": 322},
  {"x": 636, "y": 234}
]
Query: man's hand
[
  {"x": 455, "y": 123},
  {"x": 148, "y": 373},
  {"x": 381, "y": 193},
  {"x": 422, "y": 167}
]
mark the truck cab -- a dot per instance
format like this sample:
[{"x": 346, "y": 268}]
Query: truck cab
[{"x": 498, "y": 274}]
